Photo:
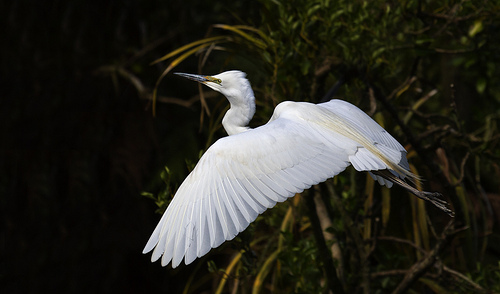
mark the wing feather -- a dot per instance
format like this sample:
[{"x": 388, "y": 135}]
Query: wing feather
[
  {"x": 217, "y": 233},
  {"x": 255, "y": 188},
  {"x": 219, "y": 212},
  {"x": 237, "y": 193},
  {"x": 204, "y": 244},
  {"x": 234, "y": 212},
  {"x": 248, "y": 201},
  {"x": 356, "y": 117},
  {"x": 364, "y": 124}
]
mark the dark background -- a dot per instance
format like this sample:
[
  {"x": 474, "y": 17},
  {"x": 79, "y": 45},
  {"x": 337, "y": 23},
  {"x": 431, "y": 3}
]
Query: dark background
[
  {"x": 77, "y": 150},
  {"x": 80, "y": 144}
]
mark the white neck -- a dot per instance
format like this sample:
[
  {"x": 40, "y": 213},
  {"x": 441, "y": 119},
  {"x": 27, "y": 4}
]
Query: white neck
[{"x": 240, "y": 113}]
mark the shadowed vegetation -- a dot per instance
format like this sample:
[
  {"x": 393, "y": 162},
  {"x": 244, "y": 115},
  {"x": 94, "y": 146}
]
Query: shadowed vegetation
[{"x": 81, "y": 142}]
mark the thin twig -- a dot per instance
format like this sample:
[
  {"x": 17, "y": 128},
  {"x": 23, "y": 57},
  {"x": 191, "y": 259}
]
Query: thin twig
[
  {"x": 373, "y": 102},
  {"x": 434, "y": 130},
  {"x": 419, "y": 268},
  {"x": 399, "y": 240},
  {"x": 462, "y": 169},
  {"x": 179, "y": 101},
  {"x": 405, "y": 84},
  {"x": 395, "y": 272},
  {"x": 453, "y": 17},
  {"x": 456, "y": 274},
  {"x": 453, "y": 51},
  {"x": 145, "y": 93},
  {"x": 428, "y": 116}
]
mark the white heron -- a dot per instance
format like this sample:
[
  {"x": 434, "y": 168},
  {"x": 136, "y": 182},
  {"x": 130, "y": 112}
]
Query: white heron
[{"x": 242, "y": 175}]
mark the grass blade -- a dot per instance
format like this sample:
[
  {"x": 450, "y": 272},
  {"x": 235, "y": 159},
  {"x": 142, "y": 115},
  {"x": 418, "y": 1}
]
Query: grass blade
[
  {"x": 171, "y": 66},
  {"x": 238, "y": 31},
  {"x": 186, "y": 47}
]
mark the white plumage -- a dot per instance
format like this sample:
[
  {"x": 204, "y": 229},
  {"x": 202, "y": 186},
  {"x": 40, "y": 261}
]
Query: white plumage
[{"x": 242, "y": 175}]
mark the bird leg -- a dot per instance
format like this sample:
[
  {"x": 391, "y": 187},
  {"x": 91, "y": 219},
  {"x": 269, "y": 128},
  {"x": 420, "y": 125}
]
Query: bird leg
[{"x": 432, "y": 197}]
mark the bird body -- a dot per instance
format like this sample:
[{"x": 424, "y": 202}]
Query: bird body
[{"x": 242, "y": 175}]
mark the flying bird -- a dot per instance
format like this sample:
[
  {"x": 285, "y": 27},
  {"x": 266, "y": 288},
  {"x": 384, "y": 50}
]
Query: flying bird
[{"x": 249, "y": 171}]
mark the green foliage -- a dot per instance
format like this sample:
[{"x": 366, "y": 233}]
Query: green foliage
[
  {"x": 485, "y": 274},
  {"x": 299, "y": 265},
  {"x": 163, "y": 198},
  {"x": 429, "y": 72}
]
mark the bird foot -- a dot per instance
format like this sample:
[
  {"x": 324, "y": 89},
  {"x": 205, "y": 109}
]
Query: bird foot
[{"x": 434, "y": 198}]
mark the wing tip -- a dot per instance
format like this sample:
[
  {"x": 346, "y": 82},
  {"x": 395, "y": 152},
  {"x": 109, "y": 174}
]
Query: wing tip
[{"x": 151, "y": 244}]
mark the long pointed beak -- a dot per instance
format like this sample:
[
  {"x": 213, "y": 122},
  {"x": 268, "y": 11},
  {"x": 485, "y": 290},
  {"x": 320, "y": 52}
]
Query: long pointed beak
[{"x": 198, "y": 78}]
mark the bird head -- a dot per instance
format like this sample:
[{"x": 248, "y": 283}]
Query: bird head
[{"x": 232, "y": 84}]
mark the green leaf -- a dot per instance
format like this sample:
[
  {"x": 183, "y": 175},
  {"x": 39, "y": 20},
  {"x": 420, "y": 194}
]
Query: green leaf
[
  {"x": 304, "y": 67},
  {"x": 377, "y": 52},
  {"x": 481, "y": 85},
  {"x": 148, "y": 195},
  {"x": 433, "y": 285},
  {"x": 476, "y": 28},
  {"x": 424, "y": 41}
]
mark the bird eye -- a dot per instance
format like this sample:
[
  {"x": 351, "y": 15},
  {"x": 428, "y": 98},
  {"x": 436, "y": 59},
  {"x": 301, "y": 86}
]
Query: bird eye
[{"x": 214, "y": 80}]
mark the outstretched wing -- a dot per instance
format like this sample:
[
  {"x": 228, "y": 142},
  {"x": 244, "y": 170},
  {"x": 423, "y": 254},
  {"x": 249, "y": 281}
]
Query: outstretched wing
[
  {"x": 242, "y": 175},
  {"x": 238, "y": 178}
]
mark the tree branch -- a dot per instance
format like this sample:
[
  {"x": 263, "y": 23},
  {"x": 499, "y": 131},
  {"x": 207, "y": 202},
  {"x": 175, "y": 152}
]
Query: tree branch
[
  {"x": 333, "y": 281},
  {"x": 354, "y": 233},
  {"x": 456, "y": 275},
  {"x": 419, "y": 268},
  {"x": 395, "y": 239},
  {"x": 326, "y": 222}
]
